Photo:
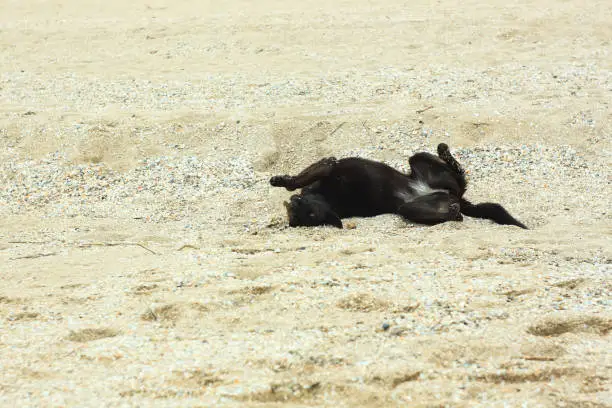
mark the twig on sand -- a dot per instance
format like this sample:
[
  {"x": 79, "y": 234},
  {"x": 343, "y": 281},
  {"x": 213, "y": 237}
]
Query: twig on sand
[
  {"x": 33, "y": 256},
  {"x": 30, "y": 242},
  {"x": 425, "y": 109},
  {"x": 337, "y": 128},
  {"x": 539, "y": 358},
  {"x": 110, "y": 244},
  {"x": 145, "y": 248},
  {"x": 82, "y": 245}
]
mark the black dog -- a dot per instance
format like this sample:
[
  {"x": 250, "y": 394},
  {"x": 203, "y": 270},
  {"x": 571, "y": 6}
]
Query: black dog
[{"x": 353, "y": 187}]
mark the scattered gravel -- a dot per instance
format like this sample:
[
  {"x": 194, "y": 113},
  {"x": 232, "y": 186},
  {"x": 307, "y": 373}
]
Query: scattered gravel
[{"x": 167, "y": 185}]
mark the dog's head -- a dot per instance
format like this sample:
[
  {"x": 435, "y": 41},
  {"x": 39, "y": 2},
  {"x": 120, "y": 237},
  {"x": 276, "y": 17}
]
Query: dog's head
[{"x": 309, "y": 210}]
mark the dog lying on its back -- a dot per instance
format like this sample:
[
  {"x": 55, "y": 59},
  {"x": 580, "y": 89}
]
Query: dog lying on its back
[{"x": 353, "y": 187}]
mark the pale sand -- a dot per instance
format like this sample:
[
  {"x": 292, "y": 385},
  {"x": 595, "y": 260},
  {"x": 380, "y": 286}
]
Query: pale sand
[{"x": 174, "y": 282}]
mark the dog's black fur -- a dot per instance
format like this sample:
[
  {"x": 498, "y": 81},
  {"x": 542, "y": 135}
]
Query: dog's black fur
[{"x": 353, "y": 187}]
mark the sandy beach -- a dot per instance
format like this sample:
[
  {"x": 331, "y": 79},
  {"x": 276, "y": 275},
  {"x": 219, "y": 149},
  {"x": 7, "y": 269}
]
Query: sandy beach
[{"x": 146, "y": 261}]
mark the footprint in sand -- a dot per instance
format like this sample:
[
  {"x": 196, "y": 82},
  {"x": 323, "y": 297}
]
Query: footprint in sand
[
  {"x": 558, "y": 325},
  {"x": 24, "y": 316},
  {"x": 362, "y": 302},
  {"x": 86, "y": 335},
  {"x": 172, "y": 313}
]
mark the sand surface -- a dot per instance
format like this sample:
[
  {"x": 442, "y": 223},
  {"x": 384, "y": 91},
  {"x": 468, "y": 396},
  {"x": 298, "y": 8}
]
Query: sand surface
[{"x": 146, "y": 261}]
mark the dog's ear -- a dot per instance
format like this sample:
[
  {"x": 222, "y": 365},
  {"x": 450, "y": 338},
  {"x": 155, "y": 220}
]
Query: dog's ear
[{"x": 331, "y": 218}]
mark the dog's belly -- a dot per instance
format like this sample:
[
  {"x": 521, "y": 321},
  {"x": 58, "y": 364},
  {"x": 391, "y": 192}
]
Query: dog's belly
[
  {"x": 362, "y": 188},
  {"x": 418, "y": 189},
  {"x": 359, "y": 199},
  {"x": 360, "y": 204}
]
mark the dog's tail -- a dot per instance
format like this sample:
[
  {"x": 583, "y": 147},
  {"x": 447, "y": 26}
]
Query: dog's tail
[{"x": 490, "y": 211}]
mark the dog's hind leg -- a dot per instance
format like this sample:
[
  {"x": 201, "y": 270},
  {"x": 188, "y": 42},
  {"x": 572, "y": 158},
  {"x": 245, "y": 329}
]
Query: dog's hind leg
[
  {"x": 435, "y": 173},
  {"x": 309, "y": 175},
  {"x": 432, "y": 209}
]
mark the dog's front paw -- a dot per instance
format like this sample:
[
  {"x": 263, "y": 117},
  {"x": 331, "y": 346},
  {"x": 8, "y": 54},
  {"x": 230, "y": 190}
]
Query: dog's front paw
[
  {"x": 282, "y": 181},
  {"x": 278, "y": 181},
  {"x": 443, "y": 149}
]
